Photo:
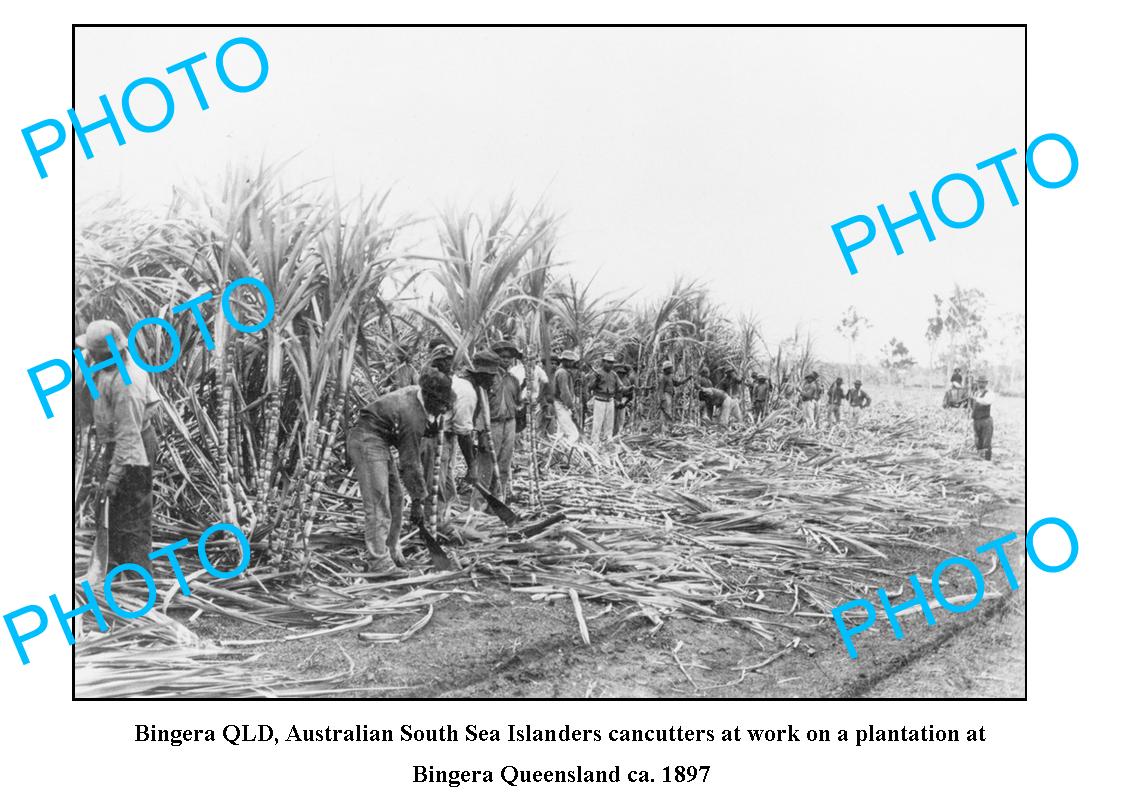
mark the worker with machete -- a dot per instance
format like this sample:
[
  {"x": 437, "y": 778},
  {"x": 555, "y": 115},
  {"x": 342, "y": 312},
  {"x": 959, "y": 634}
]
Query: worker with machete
[{"x": 399, "y": 419}]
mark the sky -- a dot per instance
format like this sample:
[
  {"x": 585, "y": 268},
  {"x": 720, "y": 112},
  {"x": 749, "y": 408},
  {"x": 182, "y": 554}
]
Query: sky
[{"x": 720, "y": 154}]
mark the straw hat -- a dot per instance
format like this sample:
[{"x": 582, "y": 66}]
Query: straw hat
[{"x": 96, "y": 334}]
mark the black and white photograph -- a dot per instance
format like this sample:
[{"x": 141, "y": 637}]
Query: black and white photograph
[{"x": 551, "y": 363}]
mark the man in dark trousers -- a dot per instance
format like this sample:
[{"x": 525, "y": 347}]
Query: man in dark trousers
[
  {"x": 980, "y": 416},
  {"x": 504, "y": 399},
  {"x": 858, "y": 399},
  {"x": 471, "y": 424},
  {"x": 667, "y": 384},
  {"x": 122, "y": 417},
  {"x": 399, "y": 419},
  {"x": 624, "y": 398},
  {"x": 704, "y": 382},
  {"x": 835, "y": 396},
  {"x": 440, "y": 358},
  {"x": 565, "y": 399},
  {"x": 762, "y": 390}
]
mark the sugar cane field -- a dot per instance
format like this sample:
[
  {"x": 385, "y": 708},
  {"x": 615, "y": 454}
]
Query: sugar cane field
[{"x": 681, "y": 558}]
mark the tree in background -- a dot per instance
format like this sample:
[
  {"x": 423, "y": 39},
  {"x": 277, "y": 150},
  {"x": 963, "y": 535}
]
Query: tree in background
[
  {"x": 1009, "y": 353},
  {"x": 896, "y": 359},
  {"x": 934, "y": 331},
  {"x": 960, "y": 319},
  {"x": 964, "y": 317},
  {"x": 851, "y": 327}
]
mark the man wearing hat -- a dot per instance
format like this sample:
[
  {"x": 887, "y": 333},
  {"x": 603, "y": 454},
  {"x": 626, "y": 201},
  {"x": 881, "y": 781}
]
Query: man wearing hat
[
  {"x": 624, "y": 397},
  {"x": 504, "y": 399},
  {"x": 440, "y": 357},
  {"x": 732, "y": 385},
  {"x": 545, "y": 387},
  {"x": 980, "y": 417},
  {"x": 565, "y": 401},
  {"x": 835, "y": 396},
  {"x": 858, "y": 399},
  {"x": 667, "y": 384},
  {"x": 604, "y": 386},
  {"x": 761, "y": 391},
  {"x": 468, "y": 418},
  {"x": 809, "y": 394},
  {"x": 122, "y": 417},
  {"x": 704, "y": 382}
]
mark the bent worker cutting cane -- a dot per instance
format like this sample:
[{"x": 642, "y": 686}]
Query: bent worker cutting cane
[{"x": 398, "y": 420}]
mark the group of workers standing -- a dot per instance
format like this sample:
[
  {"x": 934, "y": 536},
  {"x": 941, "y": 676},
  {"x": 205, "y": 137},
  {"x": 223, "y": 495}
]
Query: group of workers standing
[{"x": 855, "y": 399}]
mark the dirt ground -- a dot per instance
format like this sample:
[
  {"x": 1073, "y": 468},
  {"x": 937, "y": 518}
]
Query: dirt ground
[{"x": 494, "y": 643}]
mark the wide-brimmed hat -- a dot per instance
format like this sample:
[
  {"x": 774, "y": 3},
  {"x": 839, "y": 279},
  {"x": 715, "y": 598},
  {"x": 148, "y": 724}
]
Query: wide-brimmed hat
[
  {"x": 608, "y": 357},
  {"x": 857, "y": 382},
  {"x": 509, "y": 346},
  {"x": 486, "y": 362},
  {"x": 568, "y": 356},
  {"x": 981, "y": 380},
  {"x": 440, "y": 351},
  {"x": 96, "y": 333}
]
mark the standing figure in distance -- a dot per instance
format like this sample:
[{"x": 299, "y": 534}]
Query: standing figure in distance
[
  {"x": 732, "y": 384},
  {"x": 667, "y": 384},
  {"x": 505, "y": 402},
  {"x": 980, "y": 417},
  {"x": 624, "y": 397},
  {"x": 604, "y": 385},
  {"x": 565, "y": 399},
  {"x": 761, "y": 391},
  {"x": 858, "y": 400},
  {"x": 835, "y": 396},
  {"x": 809, "y": 394}
]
